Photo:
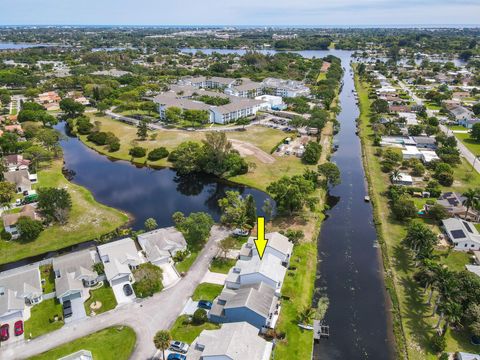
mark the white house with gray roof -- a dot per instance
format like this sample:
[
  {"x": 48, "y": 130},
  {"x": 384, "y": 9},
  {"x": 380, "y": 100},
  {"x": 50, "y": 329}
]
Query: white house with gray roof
[
  {"x": 462, "y": 234},
  {"x": 161, "y": 245},
  {"x": 235, "y": 341},
  {"x": 278, "y": 245},
  {"x": 256, "y": 304},
  {"x": 254, "y": 271},
  {"x": 74, "y": 275},
  {"x": 19, "y": 287}
]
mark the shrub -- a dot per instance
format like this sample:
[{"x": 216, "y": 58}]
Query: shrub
[
  {"x": 5, "y": 235},
  {"x": 157, "y": 154},
  {"x": 438, "y": 343},
  {"x": 137, "y": 152},
  {"x": 199, "y": 317}
]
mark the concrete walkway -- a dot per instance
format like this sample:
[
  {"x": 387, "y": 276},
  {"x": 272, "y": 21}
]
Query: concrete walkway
[{"x": 145, "y": 316}]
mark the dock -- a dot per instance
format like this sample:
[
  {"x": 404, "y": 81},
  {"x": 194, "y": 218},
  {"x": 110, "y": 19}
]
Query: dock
[{"x": 320, "y": 330}]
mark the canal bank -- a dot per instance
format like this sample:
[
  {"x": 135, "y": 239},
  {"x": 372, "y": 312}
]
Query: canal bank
[{"x": 350, "y": 271}]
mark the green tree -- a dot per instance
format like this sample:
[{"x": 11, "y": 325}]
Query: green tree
[
  {"x": 54, "y": 204},
  {"x": 471, "y": 200},
  {"x": 438, "y": 212},
  {"x": 312, "y": 153},
  {"x": 142, "y": 130},
  {"x": 71, "y": 108},
  {"x": 173, "y": 114},
  {"x": 225, "y": 245},
  {"x": 199, "y": 317},
  {"x": 216, "y": 148},
  {"x": 162, "y": 341},
  {"x": 475, "y": 132},
  {"x": 137, "y": 152},
  {"x": 250, "y": 210},
  {"x": 150, "y": 224},
  {"x": 7, "y": 193},
  {"x": 28, "y": 228},
  {"x": 195, "y": 227},
  {"x": 267, "y": 208},
  {"x": 330, "y": 173},
  {"x": 476, "y": 109},
  {"x": 380, "y": 106},
  {"x": 234, "y": 210},
  {"x": 404, "y": 208},
  {"x": 157, "y": 154},
  {"x": 148, "y": 280},
  {"x": 186, "y": 157},
  {"x": 291, "y": 193}
]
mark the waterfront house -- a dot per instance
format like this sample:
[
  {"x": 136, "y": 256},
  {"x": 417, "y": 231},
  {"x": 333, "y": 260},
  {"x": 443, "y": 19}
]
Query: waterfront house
[
  {"x": 278, "y": 245},
  {"x": 74, "y": 275},
  {"x": 16, "y": 162},
  {"x": 402, "y": 179},
  {"x": 22, "y": 180},
  {"x": 161, "y": 245},
  {"x": 256, "y": 304},
  {"x": 453, "y": 203},
  {"x": 10, "y": 220},
  {"x": 234, "y": 341},
  {"x": 19, "y": 287}
]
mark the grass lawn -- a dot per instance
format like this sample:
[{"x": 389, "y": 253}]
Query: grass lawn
[
  {"x": 47, "y": 274},
  {"x": 88, "y": 220},
  {"x": 104, "y": 295},
  {"x": 457, "y": 127},
  {"x": 41, "y": 319},
  {"x": 182, "y": 330},
  {"x": 184, "y": 265},
  {"x": 413, "y": 325},
  {"x": 471, "y": 144},
  {"x": 222, "y": 265},
  {"x": 207, "y": 291},
  {"x": 298, "y": 287},
  {"x": 110, "y": 343}
]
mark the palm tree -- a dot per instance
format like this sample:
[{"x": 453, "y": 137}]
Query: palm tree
[
  {"x": 162, "y": 341},
  {"x": 471, "y": 200},
  {"x": 306, "y": 316},
  {"x": 395, "y": 175}
]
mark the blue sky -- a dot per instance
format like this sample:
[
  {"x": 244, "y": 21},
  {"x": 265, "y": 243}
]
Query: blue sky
[{"x": 239, "y": 12}]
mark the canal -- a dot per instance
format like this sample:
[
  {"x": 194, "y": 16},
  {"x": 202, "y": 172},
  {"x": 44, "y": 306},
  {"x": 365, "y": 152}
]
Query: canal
[{"x": 350, "y": 267}]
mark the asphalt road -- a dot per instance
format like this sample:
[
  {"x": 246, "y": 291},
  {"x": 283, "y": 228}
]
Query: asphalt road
[{"x": 145, "y": 316}]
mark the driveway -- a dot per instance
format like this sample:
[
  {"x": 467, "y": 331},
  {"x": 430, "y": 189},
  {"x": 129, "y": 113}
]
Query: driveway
[
  {"x": 120, "y": 295},
  {"x": 214, "y": 278},
  {"x": 145, "y": 316},
  {"x": 170, "y": 275},
  {"x": 78, "y": 311}
]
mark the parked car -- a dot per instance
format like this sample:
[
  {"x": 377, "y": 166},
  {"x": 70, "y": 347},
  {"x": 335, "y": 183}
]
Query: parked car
[
  {"x": 240, "y": 232},
  {"x": 67, "y": 304},
  {"x": 179, "y": 346},
  {"x": 4, "y": 332},
  {"x": 176, "y": 357},
  {"x": 18, "y": 328},
  {"x": 127, "y": 290},
  {"x": 67, "y": 309},
  {"x": 205, "y": 304}
]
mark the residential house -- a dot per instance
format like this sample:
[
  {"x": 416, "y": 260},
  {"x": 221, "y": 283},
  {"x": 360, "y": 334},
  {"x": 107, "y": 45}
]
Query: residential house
[
  {"x": 48, "y": 97},
  {"x": 234, "y": 341},
  {"x": 119, "y": 259},
  {"x": 462, "y": 234},
  {"x": 10, "y": 220},
  {"x": 256, "y": 304},
  {"x": 19, "y": 287},
  {"x": 161, "y": 245},
  {"x": 15, "y": 128},
  {"x": 21, "y": 178},
  {"x": 245, "y": 88},
  {"x": 402, "y": 179},
  {"x": 75, "y": 274},
  {"x": 16, "y": 162},
  {"x": 462, "y": 116},
  {"x": 425, "y": 142},
  {"x": 278, "y": 245},
  {"x": 466, "y": 356},
  {"x": 247, "y": 272},
  {"x": 453, "y": 203},
  {"x": 79, "y": 355}
]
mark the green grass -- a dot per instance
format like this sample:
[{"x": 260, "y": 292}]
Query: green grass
[
  {"x": 207, "y": 291},
  {"x": 413, "y": 326},
  {"x": 184, "y": 265},
  {"x": 41, "y": 319},
  {"x": 298, "y": 288},
  {"x": 88, "y": 220},
  {"x": 457, "y": 127},
  {"x": 110, "y": 343},
  {"x": 105, "y": 295},
  {"x": 470, "y": 143},
  {"x": 182, "y": 330},
  {"x": 47, "y": 274},
  {"x": 222, "y": 265}
]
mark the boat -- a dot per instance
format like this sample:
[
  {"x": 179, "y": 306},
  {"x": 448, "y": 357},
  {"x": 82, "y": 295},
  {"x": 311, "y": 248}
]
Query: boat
[
  {"x": 306, "y": 327},
  {"x": 367, "y": 198}
]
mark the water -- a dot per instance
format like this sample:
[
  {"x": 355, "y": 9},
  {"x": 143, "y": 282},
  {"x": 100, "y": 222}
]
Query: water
[
  {"x": 17, "y": 46},
  {"x": 144, "y": 192},
  {"x": 350, "y": 268}
]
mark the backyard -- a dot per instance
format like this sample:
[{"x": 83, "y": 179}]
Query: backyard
[
  {"x": 103, "y": 299},
  {"x": 111, "y": 343}
]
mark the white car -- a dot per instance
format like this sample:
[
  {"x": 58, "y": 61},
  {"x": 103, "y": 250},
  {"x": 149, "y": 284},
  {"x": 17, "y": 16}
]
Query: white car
[
  {"x": 179, "y": 346},
  {"x": 240, "y": 232}
]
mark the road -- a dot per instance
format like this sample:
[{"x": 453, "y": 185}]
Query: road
[
  {"x": 467, "y": 154},
  {"x": 145, "y": 316}
]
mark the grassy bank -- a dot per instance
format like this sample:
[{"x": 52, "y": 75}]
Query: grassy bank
[
  {"x": 111, "y": 343},
  {"x": 88, "y": 220},
  {"x": 412, "y": 320}
]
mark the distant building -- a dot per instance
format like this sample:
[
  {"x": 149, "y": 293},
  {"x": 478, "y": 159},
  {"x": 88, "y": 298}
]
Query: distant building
[
  {"x": 285, "y": 88},
  {"x": 462, "y": 234},
  {"x": 10, "y": 220},
  {"x": 161, "y": 245}
]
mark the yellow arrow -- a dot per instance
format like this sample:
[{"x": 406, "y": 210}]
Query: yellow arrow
[{"x": 260, "y": 241}]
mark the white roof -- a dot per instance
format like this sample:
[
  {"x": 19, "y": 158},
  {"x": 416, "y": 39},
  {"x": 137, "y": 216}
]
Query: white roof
[
  {"x": 162, "y": 243},
  {"x": 117, "y": 256},
  {"x": 269, "y": 266}
]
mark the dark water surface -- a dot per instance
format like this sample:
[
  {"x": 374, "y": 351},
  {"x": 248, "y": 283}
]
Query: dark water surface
[
  {"x": 350, "y": 268},
  {"x": 144, "y": 192}
]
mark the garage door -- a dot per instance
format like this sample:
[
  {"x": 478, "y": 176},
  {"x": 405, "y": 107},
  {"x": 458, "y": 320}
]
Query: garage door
[
  {"x": 7, "y": 318},
  {"x": 124, "y": 279},
  {"x": 72, "y": 296}
]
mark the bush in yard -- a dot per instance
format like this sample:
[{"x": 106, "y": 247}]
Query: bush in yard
[
  {"x": 444, "y": 178},
  {"x": 157, "y": 154},
  {"x": 148, "y": 280},
  {"x": 54, "y": 204},
  {"x": 137, "y": 152},
  {"x": 5, "y": 235},
  {"x": 199, "y": 317},
  {"x": 404, "y": 208},
  {"x": 312, "y": 153}
]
